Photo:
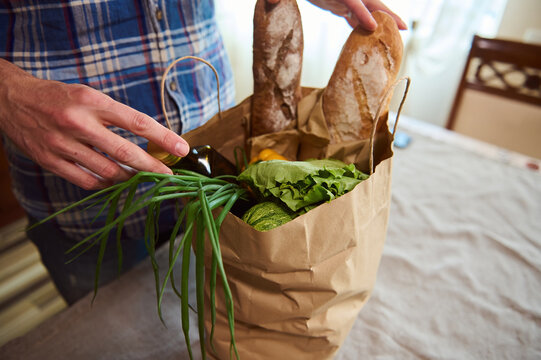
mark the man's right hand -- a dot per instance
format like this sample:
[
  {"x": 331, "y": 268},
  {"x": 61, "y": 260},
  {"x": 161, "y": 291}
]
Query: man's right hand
[{"x": 60, "y": 126}]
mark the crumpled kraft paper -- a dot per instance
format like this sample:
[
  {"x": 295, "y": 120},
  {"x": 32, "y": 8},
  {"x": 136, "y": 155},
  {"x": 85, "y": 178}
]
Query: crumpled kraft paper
[{"x": 298, "y": 288}]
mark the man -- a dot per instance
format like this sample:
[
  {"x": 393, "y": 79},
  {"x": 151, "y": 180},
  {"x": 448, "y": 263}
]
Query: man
[{"x": 80, "y": 98}]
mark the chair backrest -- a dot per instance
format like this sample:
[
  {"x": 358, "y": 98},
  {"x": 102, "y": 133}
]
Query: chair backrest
[{"x": 499, "y": 96}]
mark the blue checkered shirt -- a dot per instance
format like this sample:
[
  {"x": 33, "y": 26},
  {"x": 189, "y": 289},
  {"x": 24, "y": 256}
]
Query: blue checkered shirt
[{"x": 122, "y": 49}]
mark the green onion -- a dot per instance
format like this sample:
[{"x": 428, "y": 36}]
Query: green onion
[{"x": 202, "y": 195}]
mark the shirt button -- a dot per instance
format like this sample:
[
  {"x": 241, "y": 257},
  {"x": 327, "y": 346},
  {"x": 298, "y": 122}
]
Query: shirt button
[
  {"x": 173, "y": 86},
  {"x": 159, "y": 14}
]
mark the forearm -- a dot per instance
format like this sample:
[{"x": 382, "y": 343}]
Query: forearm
[{"x": 12, "y": 78}]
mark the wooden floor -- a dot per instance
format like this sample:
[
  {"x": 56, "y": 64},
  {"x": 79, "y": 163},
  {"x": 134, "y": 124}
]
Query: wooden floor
[{"x": 27, "y": 295}]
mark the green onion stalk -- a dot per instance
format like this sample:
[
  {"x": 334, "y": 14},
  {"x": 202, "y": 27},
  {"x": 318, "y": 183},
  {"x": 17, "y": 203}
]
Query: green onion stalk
[{"x": 202, "y": 195}]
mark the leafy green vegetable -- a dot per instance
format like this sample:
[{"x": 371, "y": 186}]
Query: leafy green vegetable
[
  {"x": 267, "y": 215},
  {"x": 302, "y": 185}
]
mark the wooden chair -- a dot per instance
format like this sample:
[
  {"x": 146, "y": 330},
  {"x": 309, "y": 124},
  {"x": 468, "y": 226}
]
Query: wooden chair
[{"x": 499, "y": 96}]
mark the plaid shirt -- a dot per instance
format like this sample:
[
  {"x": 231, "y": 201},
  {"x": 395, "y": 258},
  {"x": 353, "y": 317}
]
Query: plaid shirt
[{"x": 122, "y": 49}]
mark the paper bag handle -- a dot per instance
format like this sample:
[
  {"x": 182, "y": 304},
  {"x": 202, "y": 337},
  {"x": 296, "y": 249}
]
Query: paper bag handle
[
  {"x": 164, "y": 76},
  {"x": 378, "y": 113}
]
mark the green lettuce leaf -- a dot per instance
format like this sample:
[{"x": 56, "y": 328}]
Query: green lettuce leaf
[{"x": 302, "y": 185}]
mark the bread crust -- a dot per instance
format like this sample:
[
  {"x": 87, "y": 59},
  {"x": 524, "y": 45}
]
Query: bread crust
[
  {"x": 367, "y": 66},
  {"x": 277, "y": 64}
]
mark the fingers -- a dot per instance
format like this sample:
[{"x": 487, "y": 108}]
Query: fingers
[
  {"x": 361, "y": 11},
  {"x": 88, "y": 127},
  {"x": 78, "y": 175},
  {"x": 125, "y": 152},
  {"x": 352, "y": 20},
  {"x": 85, "y": 167},
  {"x": 97, "y": 163},
  {"x": 378, "y": 5},
  {"x": 143, "y": 125},
  {"x": 362, "y": 15},
  {"x": 77, "y": 162}
]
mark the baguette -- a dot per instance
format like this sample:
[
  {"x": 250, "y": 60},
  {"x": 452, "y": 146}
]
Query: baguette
[
  {"x": 277, "y": 63},
  {"x": 367, "y": 66}
]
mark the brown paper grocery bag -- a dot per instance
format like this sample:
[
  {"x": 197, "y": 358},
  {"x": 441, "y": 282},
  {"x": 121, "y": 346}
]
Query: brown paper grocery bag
[{"x": 298, "y": 288}]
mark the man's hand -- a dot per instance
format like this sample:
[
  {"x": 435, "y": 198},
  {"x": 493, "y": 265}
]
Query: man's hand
[
  {"x": 60, "y": 126},
  {"x": 356, "y": 12}
]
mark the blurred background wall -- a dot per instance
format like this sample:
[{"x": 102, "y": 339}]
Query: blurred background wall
[{"x": 436, "y": 44}]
